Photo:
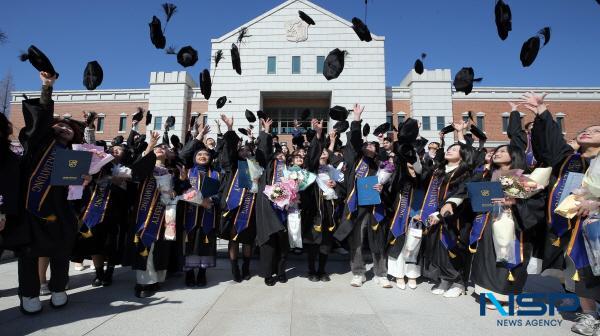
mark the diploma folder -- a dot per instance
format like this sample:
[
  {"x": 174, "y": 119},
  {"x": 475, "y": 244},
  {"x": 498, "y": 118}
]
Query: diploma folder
[
  {"x": 482, "y": 193},
  {"x": 69, "y": 167},
  {"x": 365, "y": 192},
  {"x": 210, "y": 187}
]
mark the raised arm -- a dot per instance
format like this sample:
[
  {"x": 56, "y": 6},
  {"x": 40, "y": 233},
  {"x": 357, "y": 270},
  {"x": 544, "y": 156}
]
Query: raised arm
[
  {"x": 228, "y": 154},
  {"x": 515, "y": 131},
  {"x": 264, "y": 148},
  {"x": 38, "y": 115},
  {"x": 316, "y": 148},
  {"x": 186, "y": 154}
]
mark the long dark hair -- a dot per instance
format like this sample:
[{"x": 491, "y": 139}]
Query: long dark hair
[
  {"x": 517, "y": 158},
  {"x": 466, "y": 160},
  {"x": 5, "y": 133}
]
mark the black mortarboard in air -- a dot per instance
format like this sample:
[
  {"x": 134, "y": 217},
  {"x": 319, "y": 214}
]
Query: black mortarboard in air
[
  {"x": 334, "y": 64},
  {"x": 305, "y": 114},
  {"x": 156, "y": 34},
  {"x": 408, "y": 131},
  {"x": 382, "y": 129},
  {"x": 187, "y": 56},
  {"x": 170, "y": 122},
  {"x": 250, "y": 116},
  {"x": 366, "y": 130},
  {"x": 139, "y": 115},
  {"x": 243, "y": 131},
  {"x": 118, "y": 140},
  {"x": 148, "y": 117},
  {"x": 39, "y": 61},
  {"x": 447, "y": 129},
  {"x": 338, "y": 113},
  {"x": 503, "y": 19},
  {"x": 175, "y": 141},
  {"x": 463, "y": 81},
  {"x": 221, "y": 102},
  {"x": 361, "y": 30},
  {"x": 205, "y": 84},
  {"x": 532, "y": 46},
  {"x": 92, "y": 75},
  {"x": 406, "y": 152},
  {"x": 478, "y": 133},
  {"x": 306, "y": 18},
  {"x": 236, "y": 62},
  {"x": 341, "y": 126},
  {"x": 262, "y": 115},
  {"x": 310, "y": 134},
  {"x": 419, "y": 67}
]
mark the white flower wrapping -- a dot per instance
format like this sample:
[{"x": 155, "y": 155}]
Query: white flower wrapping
[
  {"x": 383, "y": 176},
  {"x": 255, "y": 171},
  {"x": 503, "y": 233}
]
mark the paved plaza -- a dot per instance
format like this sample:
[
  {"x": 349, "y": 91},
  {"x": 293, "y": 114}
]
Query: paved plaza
[{"x": 298, "y": 307}]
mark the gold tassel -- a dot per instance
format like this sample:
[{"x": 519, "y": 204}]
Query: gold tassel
[
  {"x": 317, "y": 228},
  {"x": 576, "y": 276},
  {"x": 144, "y": 253},
  {"x": 225, "y": 214},
  {"x": 235, "y": 238},
  {"x": 510, "y": 276},
  {"x": 87, "y": 234},
  {"x": 206, "y": 240},
  {"x": 393, "y": 242},
  {"x": 51, "y": 218},
  {"x": 556, "y": 242},
  {"x": 349, "y": 216},
  {"x": 452, "y": 255},
  {"x": 331, "y": 228},
  {"x": 136, "y": 239},
  {"x": 375, "y": 227},
  {"x": 472, "y": 250}
]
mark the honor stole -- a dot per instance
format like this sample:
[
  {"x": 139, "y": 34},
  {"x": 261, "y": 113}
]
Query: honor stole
[
  {"x": 402, "y": 213},
  {"x": 529, "y": 158},
  {"x": 150, "y": 215},
  {"x": 242, "y": 200},
  {"x": 362, "y": 170},
  {"x": 195, "y": 213},
  {"x": 96, "y": 209},
  {"x": 576, "y": 249},
  {"x": 39, "y": 182}
]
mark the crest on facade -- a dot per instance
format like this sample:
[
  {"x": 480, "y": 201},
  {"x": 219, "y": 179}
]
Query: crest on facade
[{"x": 296, "y": 31}]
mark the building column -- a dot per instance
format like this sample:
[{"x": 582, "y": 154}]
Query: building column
[{"x": 169, "y": 96}]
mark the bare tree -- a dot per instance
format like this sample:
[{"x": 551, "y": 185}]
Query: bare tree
[
  {"x": 6, "y": 88},
  {"x": 3, "y": 37}
]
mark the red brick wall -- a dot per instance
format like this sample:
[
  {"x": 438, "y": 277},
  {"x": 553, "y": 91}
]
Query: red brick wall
[
  {"x": 396, "y": 106},
  {"x": 112, "y": 113}
]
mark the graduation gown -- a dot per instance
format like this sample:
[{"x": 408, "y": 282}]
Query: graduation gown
[
  {"x": 228, "y": 158},
  {"x": 50, "y": 227},
  {"x": 352, "y": 219},
  {"x": 10, "y": 237}
]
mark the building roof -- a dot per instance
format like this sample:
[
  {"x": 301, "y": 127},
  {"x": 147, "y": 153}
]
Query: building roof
[{"x": 284, "y": 5}]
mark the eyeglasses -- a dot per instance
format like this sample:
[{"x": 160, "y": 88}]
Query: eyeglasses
[{"x": 592, "y": 131}]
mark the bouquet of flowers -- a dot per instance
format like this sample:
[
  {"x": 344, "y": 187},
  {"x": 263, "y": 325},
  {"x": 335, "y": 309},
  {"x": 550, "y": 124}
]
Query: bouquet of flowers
[
  {"x": 302, "y": 177},
  {"x": 256, "y": 172},
  {"x": 515, "y": 184},
  {"x": 385, "y": 171},
  {"x": 325, "y": 175},
  {"x": 193, "y": 196},
  {"x": 503, "y": 234},
  {"x": 121, "y": 171},
  {"x": 283, "y": 193}
]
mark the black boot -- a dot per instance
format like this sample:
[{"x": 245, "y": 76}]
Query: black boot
[
  {"x": 201, "y": 279},
  {"x": 190, "y": 278},
  {"x": 235, "y": 271},
  {"x": 282, "y": 278},
  {"x": 246, "y": 269},
  {"x": 108, "y": 275},
  {"x": 99, "y": 277},
  {"x": 144, "y": 291},
  {"x": 270, "y": 281},
  {"x": 323, "y": 276}
]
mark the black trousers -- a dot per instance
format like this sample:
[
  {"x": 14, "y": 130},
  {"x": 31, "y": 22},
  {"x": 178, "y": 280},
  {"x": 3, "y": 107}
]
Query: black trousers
[
  {"x": 273, "y": 254},
  {"x": 29, "y": 279}
]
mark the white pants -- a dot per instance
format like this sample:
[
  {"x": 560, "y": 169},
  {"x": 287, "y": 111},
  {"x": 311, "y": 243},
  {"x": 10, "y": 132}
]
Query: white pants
[
  {"x": 399, "y": 269},
  {"x": 150, "y": 275}
]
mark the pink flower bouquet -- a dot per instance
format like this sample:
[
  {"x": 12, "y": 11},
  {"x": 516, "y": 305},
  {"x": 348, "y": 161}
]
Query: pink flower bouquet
[
  {"x": 192, "y": 196},
  {"x": 282, "y": 193},
  {"x": 517, "y": 185}
]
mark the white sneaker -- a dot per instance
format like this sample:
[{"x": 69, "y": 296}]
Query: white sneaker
[
  {"x": 586, "y": 325},
  {"x": 400, "y": 283},
  {"x": 31, "y": 305},
  {"x": 437, "y": 291},
  {"x": 453, "y": 292},
  {"x": 341, "y": 251},
  {"x": 59, "y": 299},
  {"x": 92, "y": 267},
  {"x": 358, "y": 280},
  {"x": 79, "y": 267},
  {"x": 44, "y": 289},
  {"x": 412, "y": 283},
  {"x": 383, "y": 282}
]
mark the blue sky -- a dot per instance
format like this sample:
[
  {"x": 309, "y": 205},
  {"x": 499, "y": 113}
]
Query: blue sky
[{"x": 453, "y": 33}]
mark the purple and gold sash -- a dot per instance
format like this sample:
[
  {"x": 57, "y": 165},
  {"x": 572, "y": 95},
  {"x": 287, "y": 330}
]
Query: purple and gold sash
[
  {"x": 96, "y": 208},
  {"x": 278, "y": 167},
  {"x": 479, "y": 224},
  {"x": 244, "y": 213},
  {"x": 195, "y": 214},
  {"x": 39, "y": 182},
  {"x": 558, "y": 224},
  {"x": 150, "y": 214},
  {"x": 529, "y": 157},
  {"x": 431, "y": 201},
  {"x": 576, "y": 248},
  {"x": 234, "y": 194},
  {"x": 402, "y": 213}
]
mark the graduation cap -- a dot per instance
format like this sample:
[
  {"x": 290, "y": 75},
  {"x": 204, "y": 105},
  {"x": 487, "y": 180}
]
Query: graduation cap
[
  {"x": 250, "y": 116},
  {"x": 463, "y": 81},
  {"x": 118, "y": 140},
  {"x": 235, "y": 59},
  {"x": 243, "y": 131},
  {"x": 148, "y": 117},
  {"x": 156, "y": 34},
  {"x": 341, "y": 126},
  {"x": 298, "y": 141},
  {"x": 382, "y": 129},
  {"x": 170, "y": 122},
  {"x": 262, "y": 115},
  {"x": 139, "y": 115},
  {"x": 409, "y": 131},
  {"x": 175, "y": 141},
  {"x": 503, "y": 19},
  {"x": 334, "y": 64},
  {"x": 361, "y": 30},
  {"x": 92, "y": 75},
  {"x": 419, "y": 67},
  {"x": 406, "y": 152},
  {"x": 532, "y": 46},
  {"x": 221, "y": 102},
  {"x": 205, "y": 84},
  {"x": 338, "y": 113},
  {"x": 308, "y": 19},
  {"x": 305, "y": 114},
  {"x": 478, "y": 133},
  {"x": 186, "y": 56},
  {"x": 366, "y": 130},
  {"x": 447, "y": 129},
  {"x": 39, "y": 61}
]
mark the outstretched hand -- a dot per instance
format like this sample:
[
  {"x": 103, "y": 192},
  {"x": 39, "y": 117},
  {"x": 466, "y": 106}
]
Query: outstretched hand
[
  {"x": 47, "y": 79},
  {"x": 228, "y": 121},
  {"x": 266, "y": 123},
  {"x": 533, "y": 102},
  {"x": 358, "y": 110}
]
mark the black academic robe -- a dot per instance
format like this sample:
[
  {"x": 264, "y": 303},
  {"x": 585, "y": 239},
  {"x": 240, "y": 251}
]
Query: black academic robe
[
  {"x": 53, "y": 231},
  {"x": 228, "y": 158},
  {"x": 496, "y": 277},
  {"x": 11, "y": 192},
  {"x": 351, "y": 221}
]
